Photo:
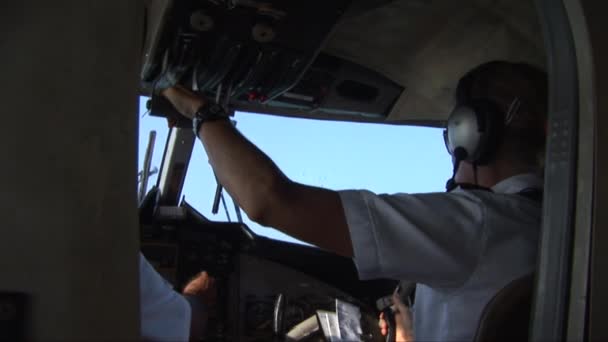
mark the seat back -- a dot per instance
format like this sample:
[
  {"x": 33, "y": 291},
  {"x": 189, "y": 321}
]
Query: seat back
[{"x": 507, "y": 316}]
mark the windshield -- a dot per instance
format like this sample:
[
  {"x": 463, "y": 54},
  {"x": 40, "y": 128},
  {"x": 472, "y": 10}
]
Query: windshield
[
  {"x": 148, "y": 124},
  {"x": 333, "y": 155},
  {"x": 330, "y": 154}
]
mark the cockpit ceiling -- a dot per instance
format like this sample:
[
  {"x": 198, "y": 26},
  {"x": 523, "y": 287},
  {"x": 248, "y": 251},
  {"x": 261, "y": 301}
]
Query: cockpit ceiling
[
  {"x": 425, "y": 46},
  {"x": 362, "y": 60}
]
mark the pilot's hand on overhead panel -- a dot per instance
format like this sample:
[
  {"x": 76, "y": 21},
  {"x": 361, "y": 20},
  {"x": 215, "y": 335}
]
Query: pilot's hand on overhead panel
[
  {"x": 185, "y": 101},
  {"x": 403, "y": 321}
]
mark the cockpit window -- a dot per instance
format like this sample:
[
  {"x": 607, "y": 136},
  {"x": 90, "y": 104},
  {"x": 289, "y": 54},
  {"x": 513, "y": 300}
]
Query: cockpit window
[
  {"x": 334, "y": 155},
  {"x": 147, "y": 125}
]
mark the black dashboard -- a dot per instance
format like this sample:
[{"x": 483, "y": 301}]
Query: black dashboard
[{"x": 252, "y": 273}]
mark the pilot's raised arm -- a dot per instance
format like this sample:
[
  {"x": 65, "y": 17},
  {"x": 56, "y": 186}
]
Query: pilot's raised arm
[{"x": 462, "y": 246}]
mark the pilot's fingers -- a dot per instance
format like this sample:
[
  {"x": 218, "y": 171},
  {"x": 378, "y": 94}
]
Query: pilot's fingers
[
  {"x": 403, "y": 320},
  {"x": 201, "y": 284},
  {"x": 382, "y": 324},
  {"x": 381, "y": 321},
  {"x": 210, "y": 280},
  {"x": 184, "y": 101}
]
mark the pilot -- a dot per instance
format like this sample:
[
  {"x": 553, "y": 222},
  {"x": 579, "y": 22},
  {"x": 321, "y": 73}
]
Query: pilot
[
  {"x": 461, "y": 246},
  {"x": 169, "y": 316}
]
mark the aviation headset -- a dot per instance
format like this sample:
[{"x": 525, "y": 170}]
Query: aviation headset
[{"x": 475, "y": 129}]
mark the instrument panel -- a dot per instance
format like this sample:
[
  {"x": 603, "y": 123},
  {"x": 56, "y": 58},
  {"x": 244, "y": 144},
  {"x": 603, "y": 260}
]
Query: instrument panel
[{"x": 265, "y": 287}]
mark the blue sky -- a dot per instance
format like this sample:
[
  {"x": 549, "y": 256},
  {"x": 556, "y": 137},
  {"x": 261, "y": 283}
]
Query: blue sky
[{"x": 334, "y": 155}]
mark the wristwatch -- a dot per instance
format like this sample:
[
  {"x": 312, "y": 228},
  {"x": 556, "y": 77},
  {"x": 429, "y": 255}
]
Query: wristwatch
[{"x": 207, "y": 112}]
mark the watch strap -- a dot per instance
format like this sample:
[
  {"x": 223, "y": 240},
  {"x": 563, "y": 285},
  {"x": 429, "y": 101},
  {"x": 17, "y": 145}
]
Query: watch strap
[{"x": 207, "y": 112}]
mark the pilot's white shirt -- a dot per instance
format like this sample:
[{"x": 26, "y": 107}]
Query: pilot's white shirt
[
  {"x": 165, "y": 314},
  {"x": 460, "y": 247}
]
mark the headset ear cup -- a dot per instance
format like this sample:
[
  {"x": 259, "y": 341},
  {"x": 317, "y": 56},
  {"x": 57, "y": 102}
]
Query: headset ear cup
[
  {"x": 490, "y": 120},
  {"x": 463, "y": 132}
]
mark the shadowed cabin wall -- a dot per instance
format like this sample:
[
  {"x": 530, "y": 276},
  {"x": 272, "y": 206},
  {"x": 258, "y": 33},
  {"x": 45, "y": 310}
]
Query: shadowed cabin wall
[{"x": 68, "y": 97}]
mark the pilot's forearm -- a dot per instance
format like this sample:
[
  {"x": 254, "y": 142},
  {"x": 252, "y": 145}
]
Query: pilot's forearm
[
  {"x": 307, "y": 213},
  {"x": 250, "y": 176},
  {"x": 268, "y": 197}
]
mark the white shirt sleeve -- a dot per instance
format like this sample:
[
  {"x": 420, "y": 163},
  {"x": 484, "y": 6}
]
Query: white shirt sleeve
[
  {"x": 165, "y": 314},
  {"x": 435, "y": 239}
]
